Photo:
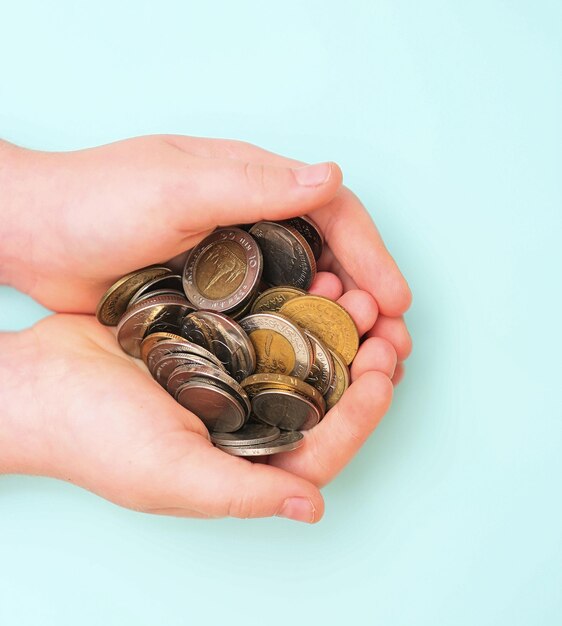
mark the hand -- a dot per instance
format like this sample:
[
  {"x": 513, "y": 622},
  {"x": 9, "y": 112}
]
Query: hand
[
  {"x": 77, "y": 221},
  {"x": 93, "y": 416}
]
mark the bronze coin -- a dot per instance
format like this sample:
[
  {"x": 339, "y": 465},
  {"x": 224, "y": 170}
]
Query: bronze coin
[
  {"x": 287, "y": 257},
  {"x": 340, "y": 381},
  {"x": 222, "y": 272},
  {"x": 329, "y": 321},
  {"x": 271, "y": 300},
  {"x": 113, "y": 303}
]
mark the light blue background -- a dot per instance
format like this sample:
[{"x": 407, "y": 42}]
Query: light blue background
[{"x": 445, "y": 117}]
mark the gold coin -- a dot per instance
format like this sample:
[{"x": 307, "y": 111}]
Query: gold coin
[
  {"x": 259, "y": 382},
  {"x": 150, "y": 340},
  {"x": 115, "y": 300},
  {"x": 330, "y": 322},
  {"x": 273, "y": 299},
  {"x": 340, "y": 380}
]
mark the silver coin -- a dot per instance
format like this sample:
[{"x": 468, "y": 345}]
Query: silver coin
[
  {"x": 186, "y": 372},
  {"x": 310, "y": 231},
  {"x": 222, "y": 272},
  {"x": 287, "y": 257},
  {"x": 167, "y": 364},
  {"x": 216, "y": 408},
  {"x": 171, "y": 346},
  {"x": 167, "y": 283},
  {"x": 158, "y": 292},
  {"x": 322, "y": 371},
  {"x": 285, "y": 409},
  {"x": 287, "y": 441},
  {"x": 224, "y": 338},
  {"x": 251, "y": 434},
  {"x": 280, "y": 345},
  {"x": 156, "y": 314}
]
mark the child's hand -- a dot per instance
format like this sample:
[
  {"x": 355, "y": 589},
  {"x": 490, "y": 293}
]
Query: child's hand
[
  {"x": 82, "y": 410},
  {"x": 77, "y": 221}
]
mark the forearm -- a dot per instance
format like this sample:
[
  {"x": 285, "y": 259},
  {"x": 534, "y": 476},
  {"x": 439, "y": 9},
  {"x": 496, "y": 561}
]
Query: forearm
[
  {"x": 22, "y": 441},
  {"x": 14, "y": 237}
]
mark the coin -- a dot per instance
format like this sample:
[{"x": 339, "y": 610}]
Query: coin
[
  {"x": 285, "y": 409},
  {"x": 216, "y": 408},
  {"x": 252, "y": 433},
  {"x": 115, "y": 300},
  {"x": 162, "y": 369},
  {"x": 310, "y": 231},
  {"x": 187, "y": 372},
  {"x": 322, "y": 371},
  {"x": 151, "y": 340},
  {"x": 330, "y": 322},
  {"x": 271, "y": 300},
  {"x": 287, "y": 257},
  {"x": 153, "y": 294},
  {"x": 340, "y": 381},
  {"x": 260, "y": 382},
  {"x": 224, "y": 338},
  {"x": 222, "y": 272},
  {"x": 158, "y": 314},
  {"x": 183, "y": 346},
  {"x": 279, "y": 344},
  {"x": 288, "y": 440},
  {"x": 166, "y": 282}
]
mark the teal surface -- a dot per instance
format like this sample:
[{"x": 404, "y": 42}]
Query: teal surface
[{"x": 446, "y": 119}]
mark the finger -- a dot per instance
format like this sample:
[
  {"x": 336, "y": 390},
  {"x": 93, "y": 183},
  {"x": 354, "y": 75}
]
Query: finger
[
  {"x": 329, "y": 446},
  {"x": 329, "y": 262},
  {"x": 346, "y": 224},
  {"x": 375, "y": 354},
  {"x": 394, "y": 329},
  {"x": 328, "y": 285},
  {"x": 228, "y": 191},
  {"x": 399, "y": 373},
  {"x": 362, "y": 308},
  {"x": 212, "y": 483}
]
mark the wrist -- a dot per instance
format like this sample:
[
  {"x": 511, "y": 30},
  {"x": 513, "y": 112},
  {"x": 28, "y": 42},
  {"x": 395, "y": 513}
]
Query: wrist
[{"x": 22, "y": 439}]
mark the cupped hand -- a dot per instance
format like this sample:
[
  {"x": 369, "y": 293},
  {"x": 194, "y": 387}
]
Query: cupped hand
[
  {"x": 94, "y": 215},
  {"x": 101, "y": 422}
]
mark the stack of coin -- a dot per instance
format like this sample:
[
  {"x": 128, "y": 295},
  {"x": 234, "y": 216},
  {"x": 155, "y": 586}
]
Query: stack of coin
[{"x": 237, "y": 339}]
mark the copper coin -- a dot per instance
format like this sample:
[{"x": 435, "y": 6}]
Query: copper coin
[
  {"x": 222, "y": 272},
  {"x": 216, "y": 408}
]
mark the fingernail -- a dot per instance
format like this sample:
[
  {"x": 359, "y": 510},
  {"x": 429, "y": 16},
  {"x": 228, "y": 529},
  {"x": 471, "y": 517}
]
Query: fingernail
[
  {"x": 313, "y": 175},
  {"x": 299, "y": 509}
]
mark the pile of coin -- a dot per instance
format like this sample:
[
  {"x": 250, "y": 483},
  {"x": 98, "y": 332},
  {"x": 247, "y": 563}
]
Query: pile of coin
[{"x": 237, "y": 339}]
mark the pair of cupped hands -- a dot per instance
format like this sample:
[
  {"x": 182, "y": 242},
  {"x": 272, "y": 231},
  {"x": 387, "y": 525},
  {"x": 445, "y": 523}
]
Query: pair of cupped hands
[{"x": 76, "y": 407}]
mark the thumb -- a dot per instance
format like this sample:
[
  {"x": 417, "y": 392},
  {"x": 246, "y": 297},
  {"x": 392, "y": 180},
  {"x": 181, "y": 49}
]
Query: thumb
[
  {"x": 229, "y": 191},
  {"x": 209, "y": 482}
]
